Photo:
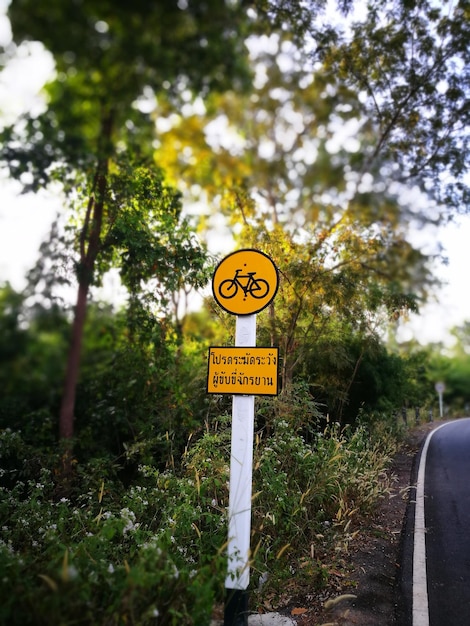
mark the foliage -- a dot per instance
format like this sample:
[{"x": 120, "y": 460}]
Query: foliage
[
  {"x": 284, "y": 164},
  {"x": 111, "y": 553},
  {"x": 271, "y": 158},
  {"x": 409, "y": 61},
  {"x": 111, "y": 59},
  {"x": 138, "y": 392},
  {"x": 311, "y": 490},
  {"x": 32, "y": 351},
  {"x": 106, "y": 555},
  {"x": 452, "y": 366}
]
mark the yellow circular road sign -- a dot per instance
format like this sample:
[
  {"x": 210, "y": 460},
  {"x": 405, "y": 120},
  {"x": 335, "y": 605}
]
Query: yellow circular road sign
[{"x": 245, "y": 282}]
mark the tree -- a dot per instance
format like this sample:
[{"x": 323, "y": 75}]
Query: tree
[
  {"x": 410, "y": 64},
  {"x": 112, "y": 58},
  {"x": 401, "y": 93},
  {"x": 274, "y": 162}
]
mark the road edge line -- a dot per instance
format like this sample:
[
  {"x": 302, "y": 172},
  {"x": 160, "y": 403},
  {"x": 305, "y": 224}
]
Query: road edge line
[{"x": 420, "y": 609}]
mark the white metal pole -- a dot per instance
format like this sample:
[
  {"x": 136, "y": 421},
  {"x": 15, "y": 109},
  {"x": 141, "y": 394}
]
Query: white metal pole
[{"x": 239, "y": 511}]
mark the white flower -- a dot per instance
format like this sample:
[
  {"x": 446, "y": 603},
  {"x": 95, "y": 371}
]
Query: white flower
[{"x": 129, "y": 517}]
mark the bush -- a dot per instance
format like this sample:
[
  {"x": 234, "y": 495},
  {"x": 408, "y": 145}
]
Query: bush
[
  {"x": 153, "y": 551},
  {"x": 310, "y": 494},
  {"x": 108, "y": 555}
]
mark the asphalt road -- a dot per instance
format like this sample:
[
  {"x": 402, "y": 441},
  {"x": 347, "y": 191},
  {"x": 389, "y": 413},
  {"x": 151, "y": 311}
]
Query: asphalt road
[{"x": 436, "y": 550}]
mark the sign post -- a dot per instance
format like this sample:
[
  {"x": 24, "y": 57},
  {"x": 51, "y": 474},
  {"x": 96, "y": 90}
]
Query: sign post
[
  {"x": 244, "y": 283},
  {"x": 239, "y": 508},
  {"x": 440, "y": 388}
]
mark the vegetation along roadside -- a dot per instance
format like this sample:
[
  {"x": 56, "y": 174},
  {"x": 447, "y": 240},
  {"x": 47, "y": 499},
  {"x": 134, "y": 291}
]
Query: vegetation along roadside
[{"x": 116, "y": 550}]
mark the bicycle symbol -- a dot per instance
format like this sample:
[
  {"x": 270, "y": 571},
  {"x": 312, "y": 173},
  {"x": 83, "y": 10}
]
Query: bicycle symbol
[{"x": 256, "y": 287}]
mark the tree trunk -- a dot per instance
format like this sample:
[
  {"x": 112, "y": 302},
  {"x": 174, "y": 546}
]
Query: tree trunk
[
  {"x": 90, "y": 241},
  {"x": 91, "y": 233},
  {"x": 348, "y": 388},
  {"x": 67, "y": 408}
]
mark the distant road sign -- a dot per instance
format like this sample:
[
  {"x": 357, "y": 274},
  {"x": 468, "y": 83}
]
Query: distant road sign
[
  {"x": 440, "y": 387},
  {"x": 245, "y": 282},
  {"x": 243, "y": 371}
]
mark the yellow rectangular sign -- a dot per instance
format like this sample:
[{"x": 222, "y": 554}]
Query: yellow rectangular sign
[{"x": 243, "y": 371}]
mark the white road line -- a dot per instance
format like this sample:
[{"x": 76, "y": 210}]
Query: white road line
[{"x": 420, "y": 585}]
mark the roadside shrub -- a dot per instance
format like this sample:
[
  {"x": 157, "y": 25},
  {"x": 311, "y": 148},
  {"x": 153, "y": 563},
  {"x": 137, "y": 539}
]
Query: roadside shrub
[
  {"x": 153, "y": 551},
  {"x": 144, "y": 555},
  {"x": 309, "y": 495}
]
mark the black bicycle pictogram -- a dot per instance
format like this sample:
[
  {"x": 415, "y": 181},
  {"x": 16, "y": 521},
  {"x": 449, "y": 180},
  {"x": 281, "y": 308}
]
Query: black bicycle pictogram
[{"x": 256, "y": 287}]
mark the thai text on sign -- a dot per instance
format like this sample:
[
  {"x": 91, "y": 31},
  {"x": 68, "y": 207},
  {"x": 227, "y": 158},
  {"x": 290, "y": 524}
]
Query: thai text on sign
[{"x": 243, "y": 371}]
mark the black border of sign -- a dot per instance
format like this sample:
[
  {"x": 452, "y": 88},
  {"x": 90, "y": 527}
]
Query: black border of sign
[
  {"x": 264, "y": 305},
  {"x": 231, "y": 393}
]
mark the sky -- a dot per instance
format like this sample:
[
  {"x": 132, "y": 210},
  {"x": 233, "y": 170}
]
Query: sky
[
  {"x": 450, "y": 306},
  {"x": 25, "y": 219}
]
